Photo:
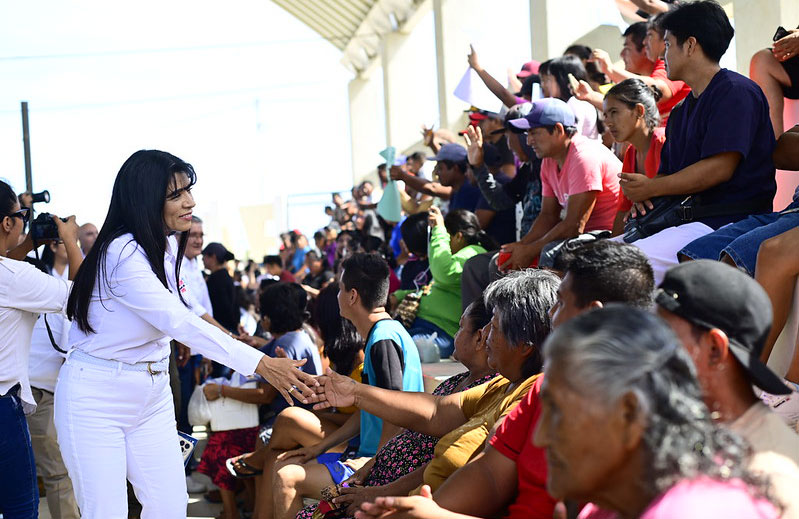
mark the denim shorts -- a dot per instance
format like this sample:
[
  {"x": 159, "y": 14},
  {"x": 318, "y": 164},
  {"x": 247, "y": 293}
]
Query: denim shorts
[{"x": 741, "y": 240}]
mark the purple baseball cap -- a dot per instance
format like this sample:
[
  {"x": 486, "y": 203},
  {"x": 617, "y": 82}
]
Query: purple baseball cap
[{"x": 546, "y": 112}]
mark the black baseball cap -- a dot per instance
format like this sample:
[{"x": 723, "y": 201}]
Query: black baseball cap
[{"x": 712, "y": 294}]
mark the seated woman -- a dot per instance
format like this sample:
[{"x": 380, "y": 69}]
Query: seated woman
[
  {"x": 520, "y": 322},
  {"x": 398, "y": 466},
  {"x": 282, "y": 314},
  {"x": 653, "y": 451},
  {"x": 776, "y": 71},
  {"x": 453, "y": 240},
  {"x": 631, "y": 116}
]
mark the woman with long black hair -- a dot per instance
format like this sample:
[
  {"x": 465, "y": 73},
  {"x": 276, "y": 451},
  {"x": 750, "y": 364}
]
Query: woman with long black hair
[{"x": 113, "y": 406}]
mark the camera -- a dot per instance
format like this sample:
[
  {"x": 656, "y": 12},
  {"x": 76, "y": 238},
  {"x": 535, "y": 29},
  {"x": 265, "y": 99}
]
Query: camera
[{"x": 43, "y": 227}]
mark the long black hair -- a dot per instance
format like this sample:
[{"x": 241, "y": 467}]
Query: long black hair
[
  {"x": 560, "y": 68},
  {"x": 137, "y": 207},
  {"x": 466, "y": 223}
]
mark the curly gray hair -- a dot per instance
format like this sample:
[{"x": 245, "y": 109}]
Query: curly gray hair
[{"x": 522, "y": 300}]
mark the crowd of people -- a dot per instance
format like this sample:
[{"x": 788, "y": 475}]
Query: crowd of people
[{"x": 604, "y": 258}]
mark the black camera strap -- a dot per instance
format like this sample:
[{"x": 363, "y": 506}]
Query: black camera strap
[{"x": 44, "y": 316}]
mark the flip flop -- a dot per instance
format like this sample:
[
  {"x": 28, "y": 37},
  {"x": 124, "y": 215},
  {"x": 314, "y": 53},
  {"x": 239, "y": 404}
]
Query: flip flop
[{"x": 231, "y": 463}]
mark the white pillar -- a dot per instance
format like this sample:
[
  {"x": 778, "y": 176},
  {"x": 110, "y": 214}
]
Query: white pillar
[
  {"x": 409, "y": 93},
  {"x": 367, "y": 131},
  {"x": 452, "y": 46},
  {"x": 755, "y": 25},
  {"x": 553, "y": 27}
]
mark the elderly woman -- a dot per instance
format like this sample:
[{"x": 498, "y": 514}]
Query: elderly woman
[
  {"x": 519, "y": 325},
  {"x": 651, "y": 451}
]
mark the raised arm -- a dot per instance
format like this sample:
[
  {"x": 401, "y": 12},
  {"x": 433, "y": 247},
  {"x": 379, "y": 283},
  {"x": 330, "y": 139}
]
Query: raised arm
[
  {"x": 496, "y": 88},
  {"x": 421, "y": 412},
  {"x": 421, "y": 184}
]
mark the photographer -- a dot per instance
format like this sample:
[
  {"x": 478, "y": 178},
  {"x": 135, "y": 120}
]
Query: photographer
[{"x": 24, "y": 293}]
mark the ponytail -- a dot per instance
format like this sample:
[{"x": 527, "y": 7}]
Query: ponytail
[
  {"x": 466, "y": 223},
  {"x": 632, "y": 92}
]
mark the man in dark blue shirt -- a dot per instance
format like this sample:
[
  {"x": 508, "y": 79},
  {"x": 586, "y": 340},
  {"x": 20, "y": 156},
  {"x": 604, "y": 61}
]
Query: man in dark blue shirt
[
  {"x": 453, "y": 185},
  {"x": 719, "y": 139}
]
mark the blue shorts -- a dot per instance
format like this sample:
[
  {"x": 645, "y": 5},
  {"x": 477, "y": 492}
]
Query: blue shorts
[
  {"x": 335, "y": 465},
  {"x": 741, "y": 240}
]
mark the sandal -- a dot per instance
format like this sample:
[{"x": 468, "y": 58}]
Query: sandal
[{"x": 241, "y": 469}]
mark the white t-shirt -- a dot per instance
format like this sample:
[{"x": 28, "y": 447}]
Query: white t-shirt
[{"x": 25, "y": 292}]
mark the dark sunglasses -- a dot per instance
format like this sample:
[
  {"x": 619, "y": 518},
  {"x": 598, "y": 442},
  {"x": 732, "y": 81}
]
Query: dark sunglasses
[{"x": 23, "y": 214}]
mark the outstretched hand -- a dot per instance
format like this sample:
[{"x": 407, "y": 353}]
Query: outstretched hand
[
  {"x": 334, "y": 390},
  {"x": 413, "y": 507},
  {"x": 285, "y": 376},
  {"x": 474, "y": 144}
]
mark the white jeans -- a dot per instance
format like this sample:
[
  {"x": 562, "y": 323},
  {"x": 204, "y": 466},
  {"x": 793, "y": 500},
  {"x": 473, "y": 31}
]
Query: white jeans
[
  {"x": 662, "y": 248},
  {"x": 114, "y": 424}
]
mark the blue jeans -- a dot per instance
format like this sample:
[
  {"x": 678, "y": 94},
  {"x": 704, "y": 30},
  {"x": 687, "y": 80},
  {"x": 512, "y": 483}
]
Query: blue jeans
[
  {"x": 19, "y": 493},
  {"x": 421, "y": 328},
  {"x": 741, "y": 240}
]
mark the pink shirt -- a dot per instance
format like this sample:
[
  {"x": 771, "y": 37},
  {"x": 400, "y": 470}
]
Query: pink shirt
[
  {"x": 589, "y": 166},
  {"x": 699, "y": 499}
]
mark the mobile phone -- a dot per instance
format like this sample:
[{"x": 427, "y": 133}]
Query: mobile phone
[
  {"x": 573, "y": 82},
  {"x": 780, "y": 34}
]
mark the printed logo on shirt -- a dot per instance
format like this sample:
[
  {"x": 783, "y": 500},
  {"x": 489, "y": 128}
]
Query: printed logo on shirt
[{"x": 182, "y": 286}]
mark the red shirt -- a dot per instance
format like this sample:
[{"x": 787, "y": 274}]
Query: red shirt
[
  {"x": 514, "y": 440},
  {"x": 651, "y": 163},
  {"x": 287, "y": 277},
  {"x": 678, "y": 91}
]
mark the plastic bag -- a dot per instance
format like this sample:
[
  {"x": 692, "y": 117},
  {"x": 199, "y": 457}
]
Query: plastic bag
[
  {"x": 428, "y": 349},
  {"x": 199, "y": 410}
]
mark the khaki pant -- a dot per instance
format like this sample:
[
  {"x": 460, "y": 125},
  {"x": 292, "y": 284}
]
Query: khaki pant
[{"x": 49, "y": 465}]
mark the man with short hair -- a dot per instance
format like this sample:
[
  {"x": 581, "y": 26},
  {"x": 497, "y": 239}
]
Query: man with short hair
[
  {"x": 508, "y": 479},
  {"x": 639, "y": 45},
  {"x": 718, "y": 146},
  {"x": 453, "y": 185},
  {"x": 391, "y": 361},
  {"x": 87, "y": 234},
  {"x": 722, "y": 317},
  {"x": 579, "y": 176},
  {"x": 274, "y": 267}
]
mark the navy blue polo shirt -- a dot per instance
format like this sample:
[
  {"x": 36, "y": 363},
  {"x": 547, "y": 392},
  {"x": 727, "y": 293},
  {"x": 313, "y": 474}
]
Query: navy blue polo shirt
[
  {"x": 466, "y": 197},
  {"x": 730, "y": 115}
]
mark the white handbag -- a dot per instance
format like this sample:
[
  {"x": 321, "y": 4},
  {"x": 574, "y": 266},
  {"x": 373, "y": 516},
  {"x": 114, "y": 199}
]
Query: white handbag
[{"x": 228, "y": 414}]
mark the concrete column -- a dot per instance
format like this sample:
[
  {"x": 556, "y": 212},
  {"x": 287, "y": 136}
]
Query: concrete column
[
  {"x": 755, "y": 24},
  {"x": 452, "y": 46},
  {"x": 367, "y": 130},
  {"x": 409, "y": 96},
  {"x": 553, "y": 27}
]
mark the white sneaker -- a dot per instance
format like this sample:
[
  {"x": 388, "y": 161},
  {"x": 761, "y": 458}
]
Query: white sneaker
[{"x": 194, "y": 486}]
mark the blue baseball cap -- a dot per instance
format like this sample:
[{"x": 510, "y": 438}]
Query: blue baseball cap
[
  {"x": 546, "y": 112},
  {"x": 451, "y": 152}
]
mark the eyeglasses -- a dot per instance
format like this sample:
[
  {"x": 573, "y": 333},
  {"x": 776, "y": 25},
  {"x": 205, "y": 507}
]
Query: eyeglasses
[{"x": 22, "y": 214}]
